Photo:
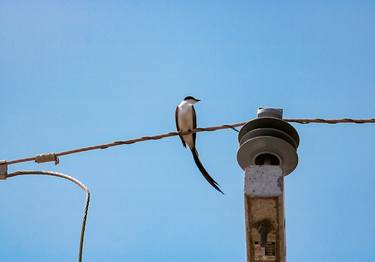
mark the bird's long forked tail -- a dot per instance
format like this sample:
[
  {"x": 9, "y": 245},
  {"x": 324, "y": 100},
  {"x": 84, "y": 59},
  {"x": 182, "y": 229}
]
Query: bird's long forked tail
[{"x": 204, "y": 172}]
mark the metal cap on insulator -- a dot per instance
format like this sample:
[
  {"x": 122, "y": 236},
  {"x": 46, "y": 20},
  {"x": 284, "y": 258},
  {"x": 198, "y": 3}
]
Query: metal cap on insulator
[{"x": 268, "y": 140}]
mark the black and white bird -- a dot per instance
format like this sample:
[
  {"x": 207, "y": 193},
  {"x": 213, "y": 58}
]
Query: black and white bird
[{"x": 186, "y": 120}]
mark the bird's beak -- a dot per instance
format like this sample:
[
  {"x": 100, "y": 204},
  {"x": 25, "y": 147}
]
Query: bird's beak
[{"x": 197, "y": 100}]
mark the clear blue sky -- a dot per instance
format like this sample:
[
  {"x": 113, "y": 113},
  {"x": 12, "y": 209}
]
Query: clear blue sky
[{"x": 76, "y": 73}]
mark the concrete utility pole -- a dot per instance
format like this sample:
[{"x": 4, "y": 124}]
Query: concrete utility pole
[{"x": 267, "y": 153}]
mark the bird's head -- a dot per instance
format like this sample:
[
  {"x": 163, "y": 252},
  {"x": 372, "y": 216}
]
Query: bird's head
[{"x": 191, "y": 100}]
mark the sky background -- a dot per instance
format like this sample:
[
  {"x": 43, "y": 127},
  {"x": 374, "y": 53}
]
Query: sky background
[{"x": 78, "y": 73}]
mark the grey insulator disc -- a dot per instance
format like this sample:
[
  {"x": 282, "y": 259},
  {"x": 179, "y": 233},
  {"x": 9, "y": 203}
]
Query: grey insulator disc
[
  {"x": 278, "y": 147},
  {"x": 270, "y": 122}
]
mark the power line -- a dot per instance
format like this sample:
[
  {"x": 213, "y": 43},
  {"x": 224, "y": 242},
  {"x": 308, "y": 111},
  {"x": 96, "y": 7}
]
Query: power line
[
  {"x": 54, "y": 157},
  {"x": 329, "y": 121},
  {"x": 77, "y": 182}
]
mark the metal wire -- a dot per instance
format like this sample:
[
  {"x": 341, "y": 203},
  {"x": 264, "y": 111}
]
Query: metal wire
[
  {"x": 329, "y": 121},
  {"x": 77, "y": 182},
  {"x": 197, "y": 130}
]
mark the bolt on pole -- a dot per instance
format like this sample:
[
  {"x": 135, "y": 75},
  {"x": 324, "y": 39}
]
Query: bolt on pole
[{"x": 267, "y": 153}]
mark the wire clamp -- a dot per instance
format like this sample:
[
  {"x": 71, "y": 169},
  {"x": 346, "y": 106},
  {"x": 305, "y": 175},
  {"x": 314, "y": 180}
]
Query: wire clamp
[
  {"x": 3, "y": 169},
  {"x": 47, "y": 157}
]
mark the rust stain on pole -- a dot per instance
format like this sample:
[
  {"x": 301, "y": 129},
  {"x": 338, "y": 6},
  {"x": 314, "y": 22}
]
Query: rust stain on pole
[{"x": 264, "y": 214}]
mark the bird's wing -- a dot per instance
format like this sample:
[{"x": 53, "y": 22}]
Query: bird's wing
[
  {"x": 194, "y": 124},
  {"x": 178, "y": 128}
]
